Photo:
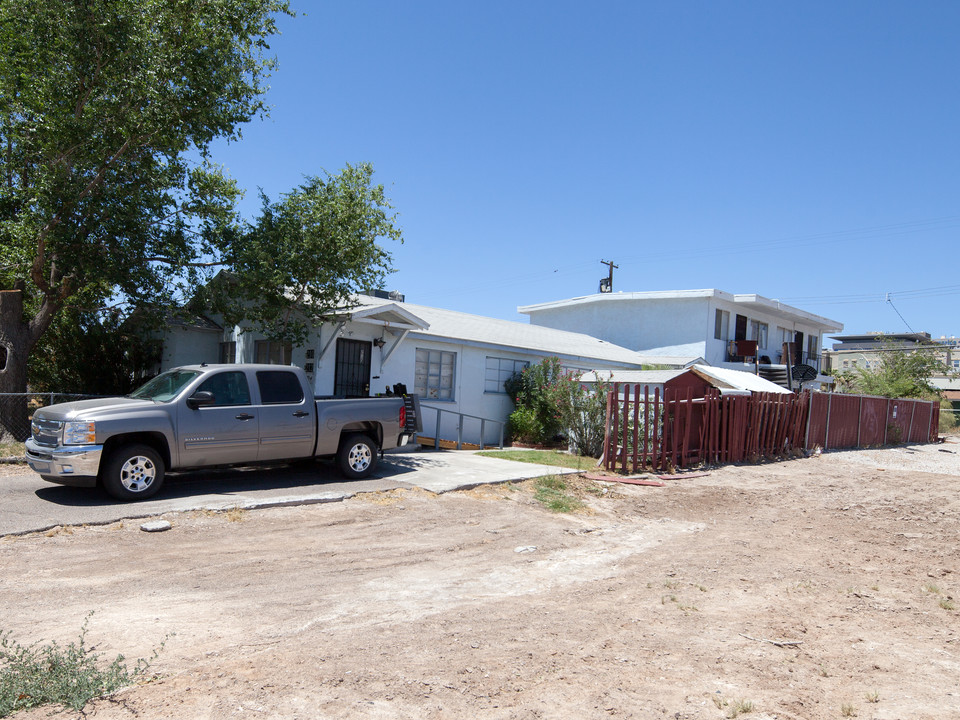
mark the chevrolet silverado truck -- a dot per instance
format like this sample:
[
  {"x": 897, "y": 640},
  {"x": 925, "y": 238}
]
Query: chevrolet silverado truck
[{"x": 200, "y": 416}]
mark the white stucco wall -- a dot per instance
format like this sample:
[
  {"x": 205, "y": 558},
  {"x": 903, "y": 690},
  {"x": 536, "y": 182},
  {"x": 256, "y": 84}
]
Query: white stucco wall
[
  {"x": 638, "y": 325},
  {"x": 680, "y": 323}
]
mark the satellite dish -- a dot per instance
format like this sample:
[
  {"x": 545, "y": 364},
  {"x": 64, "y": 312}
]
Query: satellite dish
[{"x": 803, "y": 373}]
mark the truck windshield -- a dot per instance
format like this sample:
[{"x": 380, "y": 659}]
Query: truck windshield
[{"x": 165, "y": 387}]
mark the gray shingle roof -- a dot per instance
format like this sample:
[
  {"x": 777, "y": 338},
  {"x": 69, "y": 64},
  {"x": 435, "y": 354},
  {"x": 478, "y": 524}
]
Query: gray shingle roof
[{"x": 507, "y": 334}]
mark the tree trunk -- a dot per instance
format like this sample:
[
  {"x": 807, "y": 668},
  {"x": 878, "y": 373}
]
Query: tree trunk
[{"x": 15, "y": 345}]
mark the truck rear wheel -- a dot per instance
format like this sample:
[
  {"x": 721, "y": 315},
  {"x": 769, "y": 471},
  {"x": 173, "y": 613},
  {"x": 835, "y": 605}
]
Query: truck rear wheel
[
  {"x": 133, "y": 472},
  {"x": 358, "y": 456}
]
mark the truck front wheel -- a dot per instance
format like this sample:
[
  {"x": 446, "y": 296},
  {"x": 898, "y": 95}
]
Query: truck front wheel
[
  {"x": 358, "y": 456},
  {"x": 133, "y": 472}
]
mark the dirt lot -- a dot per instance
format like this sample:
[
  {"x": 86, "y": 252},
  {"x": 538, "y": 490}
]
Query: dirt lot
[{"x": 655, "y": 602}]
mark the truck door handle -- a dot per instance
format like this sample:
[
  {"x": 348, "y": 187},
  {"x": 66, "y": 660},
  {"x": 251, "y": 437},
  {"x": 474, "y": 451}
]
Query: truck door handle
[
  {"x": 244, "y": 416},
  {"x": 300, "y": 413}
]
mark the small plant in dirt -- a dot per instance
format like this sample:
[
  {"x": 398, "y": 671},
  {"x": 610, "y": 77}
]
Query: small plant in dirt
[
  {"x": 51, "y": 674},
  {"x": 740, "y": 707},
  {"x": 237, "y": 514},
  {"x": 552, "y": 492},
  {"x": 946, "y": 604},
  {"x": 872, "y": 697},
  {"x": 848, "y": 710}
]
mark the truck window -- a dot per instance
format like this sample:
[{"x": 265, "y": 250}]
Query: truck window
[
  {"x": 164, "y": 388},
  {"x": 228, "y": 388},
  {"x": 279, "y": 387}
]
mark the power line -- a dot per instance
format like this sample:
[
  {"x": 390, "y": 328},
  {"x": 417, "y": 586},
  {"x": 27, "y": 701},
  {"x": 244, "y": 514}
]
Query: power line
[{"x": 898, "y": 313}]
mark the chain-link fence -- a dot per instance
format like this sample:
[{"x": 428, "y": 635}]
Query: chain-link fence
[{"x": 16, "y": 412}]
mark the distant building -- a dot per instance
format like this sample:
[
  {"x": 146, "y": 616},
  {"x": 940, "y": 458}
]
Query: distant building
[
  {"x": 741, "y": 332},
  {"x": 865, "y": 351}
]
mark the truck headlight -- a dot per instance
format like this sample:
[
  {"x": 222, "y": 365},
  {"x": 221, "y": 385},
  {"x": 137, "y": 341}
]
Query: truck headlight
[{"x": 79, "y": 433}]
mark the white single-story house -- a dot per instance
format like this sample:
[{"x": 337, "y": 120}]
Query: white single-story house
[
  {"x": 709, "y": 324},
  {"x": 457, "y": 363}
]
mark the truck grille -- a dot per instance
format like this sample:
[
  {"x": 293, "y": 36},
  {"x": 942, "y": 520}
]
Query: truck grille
[{"x": 46, "y": 432}]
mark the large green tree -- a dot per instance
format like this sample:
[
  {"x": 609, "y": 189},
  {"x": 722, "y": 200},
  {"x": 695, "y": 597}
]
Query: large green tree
[
  {"x": 305, "y": 255},
  {"x": 108, "y": 109}
]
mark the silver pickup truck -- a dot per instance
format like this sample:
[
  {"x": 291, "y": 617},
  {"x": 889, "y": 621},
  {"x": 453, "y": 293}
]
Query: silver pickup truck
[{"x": 204, "y": 415}]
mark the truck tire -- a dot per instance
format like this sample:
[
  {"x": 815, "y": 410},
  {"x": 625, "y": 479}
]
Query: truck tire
[
  {"x": 133, "y": 472},
  {"x": 358, "y": 456}
]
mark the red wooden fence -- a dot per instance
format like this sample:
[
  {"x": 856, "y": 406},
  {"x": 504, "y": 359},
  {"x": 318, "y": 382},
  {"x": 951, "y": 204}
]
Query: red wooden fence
[{"x": 674, "y": 430}]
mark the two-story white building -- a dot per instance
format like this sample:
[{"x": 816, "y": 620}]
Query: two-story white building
[{"x": 711, "y": 324}]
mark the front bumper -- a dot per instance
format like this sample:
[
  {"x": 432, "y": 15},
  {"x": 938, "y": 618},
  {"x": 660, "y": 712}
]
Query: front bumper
[{"x": 65, "y": 464}]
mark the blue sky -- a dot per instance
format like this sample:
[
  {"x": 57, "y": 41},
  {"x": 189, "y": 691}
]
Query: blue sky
[{"x": 804, "y": 151}]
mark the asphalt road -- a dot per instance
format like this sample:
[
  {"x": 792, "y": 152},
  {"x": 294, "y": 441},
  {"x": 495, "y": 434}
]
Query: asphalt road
[{"x": 29, "y": 504}]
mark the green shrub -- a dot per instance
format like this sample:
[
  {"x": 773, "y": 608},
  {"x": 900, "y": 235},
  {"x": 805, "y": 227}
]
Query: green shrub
[
  {"x": 552, "y": 403},
  {"x": 585, "y": 416},
  {"x": 540, "y": 390},
  {"x": 31, "y": 676},
  {"x": 524, "y": 426}
]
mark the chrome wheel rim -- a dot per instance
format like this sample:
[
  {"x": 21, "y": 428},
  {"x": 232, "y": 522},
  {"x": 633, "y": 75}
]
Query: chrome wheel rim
[
  {"x": 359, "y": 457},
  {"x": 138, "y": 473}
]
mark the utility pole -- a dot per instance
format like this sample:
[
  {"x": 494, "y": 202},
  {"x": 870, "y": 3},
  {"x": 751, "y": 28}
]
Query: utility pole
[{"x": 606, "y": 285}]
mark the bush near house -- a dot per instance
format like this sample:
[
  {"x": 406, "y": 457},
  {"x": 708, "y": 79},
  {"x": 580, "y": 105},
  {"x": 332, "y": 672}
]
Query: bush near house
[{"x": 553, "y": 405}]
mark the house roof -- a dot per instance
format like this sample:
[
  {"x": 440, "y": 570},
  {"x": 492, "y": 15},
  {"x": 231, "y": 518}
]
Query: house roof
[
  {"x": 476, "y": 329},
  {"x": 748, "y": 300},
  {"x": 721, "y": 378},
  {"x": 725, "y": 378},
  {"x": 192, "y": 321},
  {"x": 634, "y": 377}
]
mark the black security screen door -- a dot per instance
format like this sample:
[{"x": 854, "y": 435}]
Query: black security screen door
[{"x": 352, "y": 378}]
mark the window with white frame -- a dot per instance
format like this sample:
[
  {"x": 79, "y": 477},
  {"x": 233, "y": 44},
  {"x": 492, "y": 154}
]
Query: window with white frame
[
  {"x": 434, "y": 374},
  {"x": 499, "y": 370},
  {"x": 273, "y": 353},
  {"x": 758, "y": 332},
  {"x": 721, "y": 323}
]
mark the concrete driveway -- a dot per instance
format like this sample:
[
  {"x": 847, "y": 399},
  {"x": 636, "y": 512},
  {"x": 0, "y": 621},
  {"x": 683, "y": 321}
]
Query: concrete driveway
[{"x": 29, "y": 504}]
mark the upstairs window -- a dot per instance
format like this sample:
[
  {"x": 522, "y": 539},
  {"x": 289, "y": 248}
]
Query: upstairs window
[
  {"x": 758, "y": 332},
  {"x": 721, "y": 325}
]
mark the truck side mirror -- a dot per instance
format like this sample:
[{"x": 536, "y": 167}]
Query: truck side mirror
[{"x": 200, "y": 399}]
